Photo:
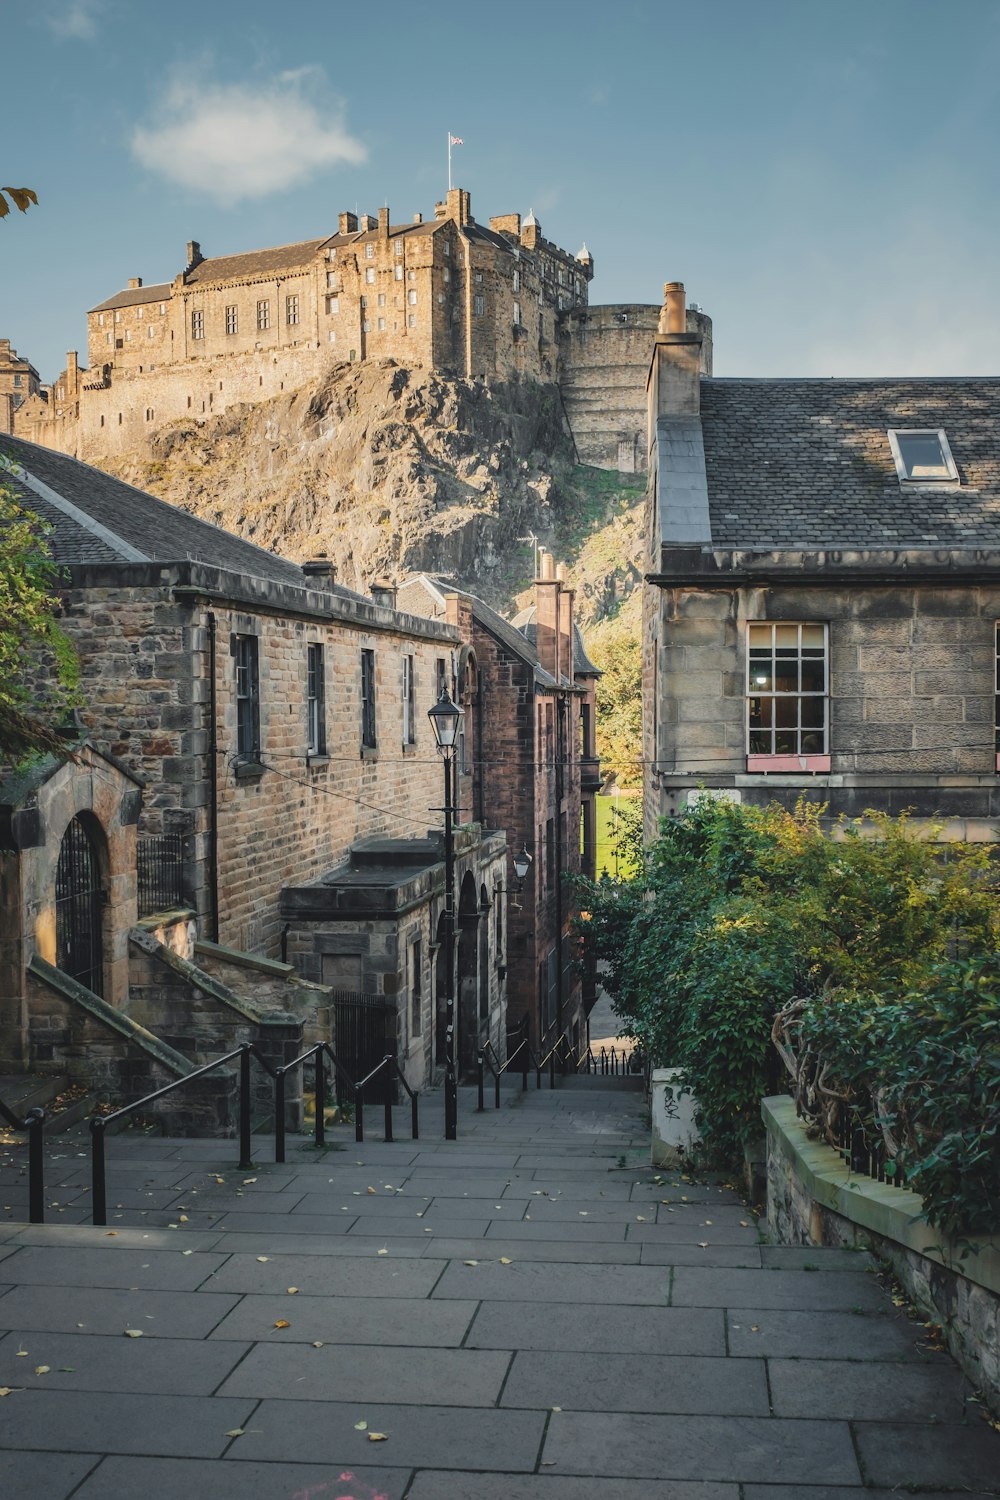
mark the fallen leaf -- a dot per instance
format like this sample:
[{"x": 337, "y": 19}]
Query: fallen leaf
[
  {"x": 371, "y": 1190},
  {"x": 248, "y": 1180},
  {"x": 744, "y": 1223},
  {"x": 263, "y": 1258},
  {"x": 557, "y": 1408},
  {"x": 133, "y": 1333},
  {"x": 639, "y": 1219},
  {"x": 23, "y": 1353},
  {"x": 703, "y": 1244},
  {"x": 282, "y": 1323},
  {"x": 187, "y": 1252},
  {"x": 378, "y": 1437},
  {"x": 317, "y": 1343},
  {"x": 5, "y": 1390},
  {"x": 383, "y": 1251},
  {"x": 755, "y": 1328},
  {"x": 292, "y": 1290},
  {"x": 110, "y": 1234},
  {"x": 505, "y": 1260},
  {"x": 183, "y": 1218},
  {"x": 708, "y": 1221},
  {"x": 235, "y": 1432},
  {"x": 361, "y": 1427},
  {"x": 472, "y": 1262},
  {"x": 42, "y": 1369}
]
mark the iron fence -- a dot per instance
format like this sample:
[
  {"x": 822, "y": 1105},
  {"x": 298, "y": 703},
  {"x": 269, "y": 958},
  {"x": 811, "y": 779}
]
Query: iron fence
[{"x": 160, "y": 871}]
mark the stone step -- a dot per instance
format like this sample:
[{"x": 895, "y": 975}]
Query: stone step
[{"x": 23, "y": 1091}]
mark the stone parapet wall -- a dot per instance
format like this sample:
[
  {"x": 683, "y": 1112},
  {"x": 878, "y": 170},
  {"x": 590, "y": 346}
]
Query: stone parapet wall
[{"x": 814, "y": 1198}]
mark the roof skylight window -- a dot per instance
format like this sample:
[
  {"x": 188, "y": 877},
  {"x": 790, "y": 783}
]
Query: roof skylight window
[{"x": 922, "y": 455}]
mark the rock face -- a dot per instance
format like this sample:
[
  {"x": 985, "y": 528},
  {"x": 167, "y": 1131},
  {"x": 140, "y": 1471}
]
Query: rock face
[{"x": 386, "y": 470}]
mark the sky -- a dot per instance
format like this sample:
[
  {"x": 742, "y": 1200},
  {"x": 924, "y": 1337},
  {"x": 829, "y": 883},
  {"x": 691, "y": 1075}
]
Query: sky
[{"x": 823, "y": 175}]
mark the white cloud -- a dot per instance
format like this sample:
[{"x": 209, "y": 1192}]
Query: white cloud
[
  {"x": 74, "y": 19},
  {"x": 245, "y": 140}
]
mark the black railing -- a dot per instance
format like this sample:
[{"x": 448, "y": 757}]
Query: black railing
[
  {"x": 486, "y": 1057},
  {"x": 319, "y": 1053},
  {"x": 34, "y": 1124},
  {"x": 610, "y": 1063},
  {"x": 100, "y": 1123},
  {"x": 160, "y": 872},
  {"x": 390, "y": 1068},
  {"x": 864, "y": 1147}
]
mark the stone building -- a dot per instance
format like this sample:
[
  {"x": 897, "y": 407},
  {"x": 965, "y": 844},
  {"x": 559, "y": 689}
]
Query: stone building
[
  {"x": 279, "y": 723},
  {"x": 530, "y": 760},
  {"x": 18, "y": 381},
  {"x": 822, "y": 590},
  {"x": 465, "y": 299}
]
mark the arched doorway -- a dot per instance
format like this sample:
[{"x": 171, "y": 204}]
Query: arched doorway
[
  {"x": 79, "y": 908},
  {"x": 468, "y": 976}
]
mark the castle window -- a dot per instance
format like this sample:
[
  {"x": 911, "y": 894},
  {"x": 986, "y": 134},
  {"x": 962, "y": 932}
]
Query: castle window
[
  {"x": 479, "y": 275},
  {"x": 291, "y": 309},
  {"x": 102, "y": 421},
  {"x": 368, "y": 741},
  {"x": 331, "y": 337},
  {"x": 517, "y": 314},
  {"x": 263, "y": 314},
  {"x": 479, "y": 304},
  {"x": 411, "y": 298},
  {"x": 108, "y": 337},
  {"x": 100, "y": 320},
  {"x": 128, "y": 335},
  {"x": 381, "y": 299},
  {"x": 331, "y": 254},
  {"x": 140, "y": 313},
  {"x": 19, "y": 380},
  {"x": 447, "y": 247},
  {"x": 541, "y": 326},
  {"x": 381, "y": 325},
  {"x": 398, "y": 247},
  {"x": 149, "y": 413},
  {"x": 411, "y": 321},
  {"x": 370, "y": 251},
  {"x": 332, "y": 306},
  {"x": 447, "y": 273},
  {"x": 517, "y": 281},
  {"x": 315, "y": 701},
  {"x": 411, "y": 275},
  {"x": 397, "y": 272},
  {"x": 366, "y": 326},
  {"x": 364, "y": 302},
  {"x": 163, "y": 308},
  {"x": 151, "y": 331},
  {"x": 119, "y": 343},
  {"x": 197, "y": 325},
  {"x": 232, "y": 318},
  {"x": 370, "y": 275},
  {"x": 118, "y": 317},
  {"x": 332, "y": 281}
]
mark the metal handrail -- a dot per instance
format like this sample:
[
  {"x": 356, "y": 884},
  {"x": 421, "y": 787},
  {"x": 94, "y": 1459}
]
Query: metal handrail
[
  {"x": 317, "y": 1053},
  {"x": 550, "y": 1058},
  {"x": 525, "y": 1051},
  {"x": 34, "y": 1124},
  {"x": 100, "y": 1123},
  {"x": 496, "y": 1068},
  {"x": 388, "y": 1062}
]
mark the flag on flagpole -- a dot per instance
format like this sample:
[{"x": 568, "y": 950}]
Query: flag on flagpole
[{"x": 456, "y": 140}]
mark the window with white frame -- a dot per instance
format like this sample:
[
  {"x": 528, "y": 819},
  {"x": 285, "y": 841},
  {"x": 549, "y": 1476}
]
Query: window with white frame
[
  {"x": 398, "y": 249},
  {"x": 370, "y": 275},
  {"x": 197, "y": 325},
  {"x": 479, "y": 305},
  {"x": 787, "y": 677},
  {"x": 332, "y": 306},
  {"x": 409, "y": 703},
  {"x": 397, "y": 272},
  {"x": 368, "y": 741},
  {"x": 517, "y": 281},
  {"x": 292, "y": 309},
  {"x": 411, "y": 320},
  {"x": 922, "y": 455},
  {"x": 246, "y": 654},
  {"x": 411, "y": 298},
  {"x": 414, "y": 967},
  {"x": 381, "y": 325},
  {"x": 370, "y": 250},
  {"x": 232, "y": 318},
  {"x": 263, "y": 315},
  {"x": 517, "y": 314},
  {"x": 381, "y": 299}
]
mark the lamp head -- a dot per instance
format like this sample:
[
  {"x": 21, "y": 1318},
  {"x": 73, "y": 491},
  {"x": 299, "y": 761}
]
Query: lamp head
[
  {"x": 522, "y": 863},
  {"x": 444, "y": 717}
]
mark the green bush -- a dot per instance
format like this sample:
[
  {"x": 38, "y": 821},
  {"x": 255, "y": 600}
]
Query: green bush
[{"x": 740, "y": 910}]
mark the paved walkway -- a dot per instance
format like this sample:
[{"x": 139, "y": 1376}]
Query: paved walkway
[{"x": 526, "y": 1314}]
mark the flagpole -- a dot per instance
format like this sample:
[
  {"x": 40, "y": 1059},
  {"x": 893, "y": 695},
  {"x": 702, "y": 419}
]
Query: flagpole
[{"x": 449, "y": 161}]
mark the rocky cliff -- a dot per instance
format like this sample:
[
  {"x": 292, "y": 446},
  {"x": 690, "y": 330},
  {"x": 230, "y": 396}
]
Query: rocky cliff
[{"x": 389, "y": 470}]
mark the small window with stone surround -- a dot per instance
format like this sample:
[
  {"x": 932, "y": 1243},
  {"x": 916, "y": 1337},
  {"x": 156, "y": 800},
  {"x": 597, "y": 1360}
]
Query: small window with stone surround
[
  {"x": 398, "y": 248},
  {"x": 232, "y": 318},
  {"x": 922, "y": 456},
  {"x": 292, "y": 309},
  {"x": 197, "y": 325},
  {"x": 397, "y": 272},
  {"x": 263, "y": 314},
  {"x": 368, "y": 738},
  {"x": 315, "y": 701},
  {"x": 787, "y": 696},
  {"x": 247, "y": 697},
  {"x": 411, "y": 298},
  {"x": 370, "y": 251},
  {"x": 411, "y": 321},
  {"x": 479, "y": 304},
  {"x": 370, "y": 275},
  {"x": 409, "y": 702}
]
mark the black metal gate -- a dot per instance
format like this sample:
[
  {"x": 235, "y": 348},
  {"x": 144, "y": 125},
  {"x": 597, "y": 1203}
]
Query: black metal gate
[
  {"x": 78, "y": 909},
  {"x": 160, "y": 869},
  {"x": 364, "y": 1031}
]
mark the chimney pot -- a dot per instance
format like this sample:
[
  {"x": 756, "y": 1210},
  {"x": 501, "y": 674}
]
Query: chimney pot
[{"x": 673, "y": 315}]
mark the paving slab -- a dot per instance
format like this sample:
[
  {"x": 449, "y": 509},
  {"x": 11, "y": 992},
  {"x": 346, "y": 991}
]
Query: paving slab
[
  {"x": 278, "y": 1224},
  {"x": 653, "y": 1330},
  {"x": 860, "y": 1391},
  {"x": 290, "y": 1243},
  {"x": 701, "y": 1447},
  {"x": 838, "y": 1291},
  {"x": 344, "y": 1277},
  {"x": 96, "y": 1237},
  {"x": 349, "y": 1320},
  {"x": 360, "y": 1373},
  {"x": 232, "y": 1479},
  {"x": 418, "y": 1228},
  {"x": 688, "y": 1229},
  {"x": 438, "y": 1484},
  {"x": 186, "y": 1315},
  {"x": 905, "y": 1454},
  {"x": 162, "y": 1270},
  {"x": 813, "y": 1258},
  {"x": 96, "y": 1422},
  {"x": 646, "y": 1286},
  {"x": 418, "y": 1436},
  {"x": 569, "y": 1230},
  {"x": 52, "y": 1475},
  {"x": 98, "y": 1362},
  {"x": 747, "y": 1258},
  {"x": 565, "y": 1252},
  {"x": 637, "y": 1383},
  {"x": 822, "y": 1335},
  {"x": 837, "y": 1492}
]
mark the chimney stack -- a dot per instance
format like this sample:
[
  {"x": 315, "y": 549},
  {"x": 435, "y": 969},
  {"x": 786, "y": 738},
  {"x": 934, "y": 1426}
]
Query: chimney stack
[
  {"x": 383, "y": 223},
  {"x": 347, "y": 223},
  {"x": 194, "y": 255},
  {"x": 547, "y": 614},
  {"x": 134, "y": 282},
  {"x": 674, "y": 385},
  {"x": 673, "y": 316},
  {"x": 320, "y": 572}
]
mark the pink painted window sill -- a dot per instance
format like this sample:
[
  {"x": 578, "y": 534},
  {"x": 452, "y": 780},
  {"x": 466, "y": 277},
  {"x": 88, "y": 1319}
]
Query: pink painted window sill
[{"x": 793, "y": 764}]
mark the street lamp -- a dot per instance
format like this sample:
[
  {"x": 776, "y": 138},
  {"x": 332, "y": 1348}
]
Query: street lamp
[
  {"x": 522, "y": 864},
  {"x": 444, "y": 717}
]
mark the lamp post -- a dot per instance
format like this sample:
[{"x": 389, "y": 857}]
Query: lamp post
[{"x": 444, "y": 717}]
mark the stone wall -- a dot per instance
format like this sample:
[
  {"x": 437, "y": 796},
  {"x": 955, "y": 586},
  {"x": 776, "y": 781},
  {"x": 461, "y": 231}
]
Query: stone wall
[
  {"x": 911, "y": 706},
  {"x": 813, "y": 1198}
]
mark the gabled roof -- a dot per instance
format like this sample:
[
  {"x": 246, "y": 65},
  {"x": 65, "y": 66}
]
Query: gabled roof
[
  {"x": 807, "y": 463},
  {"x": 99, "y": 519},
  {"x": 134, "y": 296},
  {"x": 255, "y": 262},
  {"x": 582, "y": 664}
]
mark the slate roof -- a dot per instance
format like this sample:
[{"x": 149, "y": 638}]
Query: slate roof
[
  {"x": 134, "y": 296},
  {"x": 807, "y": 462},
  {"x": 255, "y": 262},
  {"x": 503, "y": 630},
  {"x": 104, "y": 520},
  {"x": 582, "y": 664}
]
